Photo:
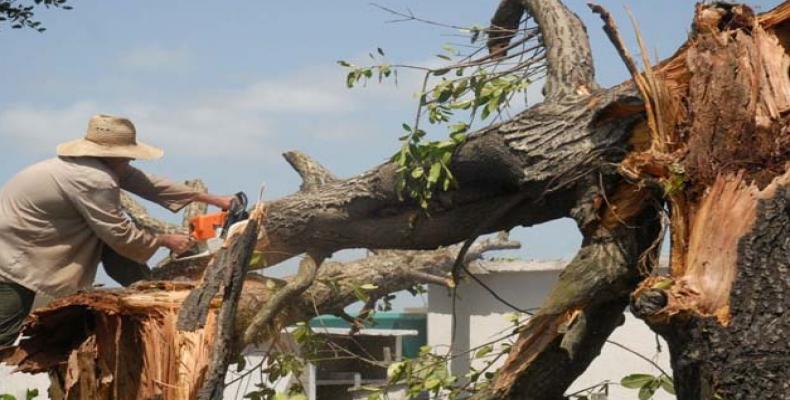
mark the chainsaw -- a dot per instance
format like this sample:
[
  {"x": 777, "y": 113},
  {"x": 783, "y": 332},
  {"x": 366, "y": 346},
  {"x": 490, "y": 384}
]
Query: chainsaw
[{"x": 209, "y": 230}]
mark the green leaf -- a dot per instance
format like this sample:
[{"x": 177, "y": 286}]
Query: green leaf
[
  {"x": 458, "y": 128},
  {"x": 298, "y": 396},
  {"x": 667, "y": 384},
  {"x": 257, "y": 260},
  {"x": 350, "y": 79},
  {"x": 395, "y": 371},
  {"x": 445, "y": 145},
  {"x": 31, "y": 394},
  {"x": 241, "y": 363},
  {"x": 444, "y": 57},
  {"x": 344, "y": 63},
  {"x": 360, "y": 295},
  {"x": 513, "y": 318},
  {"x": 369, "y": 286},
  {"x": 460, "y": 87},
  {"x": 432, "y": 383},
  {"x": 435, "y": 172},
  {"x": 485, "y": 113},
  {"x": 406, "y": 127},
  {"x": 440, "y": 72},
  {"x": 446, "y": 184},
  {"x": 636, "y": 381},
  {"x": 449, "y": 48},
  {"x": 6, "y": 396},
  {"x": 664, "y": 284},
  {"x": 416, "y": 173},
  {"x": 445, "y": 94},
  {"x": 493, "y": 104},
  {"x": 380, "y": 50},
  {"x": 462, "y": 105},
  {"x": 646, "y": 392},
  {"x": 483, "y": 351}
]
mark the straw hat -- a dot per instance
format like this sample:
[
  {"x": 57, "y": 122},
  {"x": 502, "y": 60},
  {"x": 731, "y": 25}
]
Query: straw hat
[{"x": 109, "y": 136}]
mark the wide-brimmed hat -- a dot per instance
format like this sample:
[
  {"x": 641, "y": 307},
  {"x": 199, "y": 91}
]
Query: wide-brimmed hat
[{"x": 109, "y": 136}]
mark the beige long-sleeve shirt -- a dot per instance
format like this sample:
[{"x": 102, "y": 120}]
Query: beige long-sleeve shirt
[{"x": 56, "y": 215}]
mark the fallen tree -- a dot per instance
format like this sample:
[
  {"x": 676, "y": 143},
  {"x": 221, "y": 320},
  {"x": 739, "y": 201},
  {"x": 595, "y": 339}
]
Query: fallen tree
[
  {"x": 704, "y": 134},
  {"x": 124, "y": 344}
]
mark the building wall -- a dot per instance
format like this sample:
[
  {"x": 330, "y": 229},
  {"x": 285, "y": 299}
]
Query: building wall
[
  {"x": 18, "y": 383},
  {"x": 480, "y": 318}
]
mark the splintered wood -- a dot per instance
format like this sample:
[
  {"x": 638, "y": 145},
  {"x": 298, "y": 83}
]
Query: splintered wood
[
  {"x": 734, "y": 151},
  {"x": 117, "y": 345}
]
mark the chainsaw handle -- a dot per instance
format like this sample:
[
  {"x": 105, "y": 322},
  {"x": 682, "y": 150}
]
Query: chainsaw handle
[{"x": 239, "y": 203}]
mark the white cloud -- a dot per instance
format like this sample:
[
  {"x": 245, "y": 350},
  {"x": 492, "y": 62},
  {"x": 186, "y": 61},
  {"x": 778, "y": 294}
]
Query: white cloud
[
  {"x": 256, "y": 121},
  {"x": 155, "y": 58},
  {"x": 287, "y": 97},
  {"x": 250, "y": 122},
  {"x": 40, "y": 130}
]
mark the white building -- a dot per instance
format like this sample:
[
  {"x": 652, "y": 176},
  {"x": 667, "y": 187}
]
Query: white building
[
  {"x": 480, "y": 318},
  {"x": 334, "y": 376}
]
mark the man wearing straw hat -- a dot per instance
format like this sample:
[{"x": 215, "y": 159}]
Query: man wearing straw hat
[{"x": 60, "y": 217}]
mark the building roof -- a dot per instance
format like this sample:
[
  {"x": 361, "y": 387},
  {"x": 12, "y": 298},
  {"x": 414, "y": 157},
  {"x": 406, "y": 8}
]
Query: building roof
[
  {"x": 485, "y": 267},
  {"x": 362, "y": 332}
]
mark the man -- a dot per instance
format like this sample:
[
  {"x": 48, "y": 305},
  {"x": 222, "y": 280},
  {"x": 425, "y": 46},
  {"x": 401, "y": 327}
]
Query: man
[{"x": 60, "y": 217}]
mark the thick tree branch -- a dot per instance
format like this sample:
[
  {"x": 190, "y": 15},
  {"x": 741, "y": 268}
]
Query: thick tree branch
[
  {"x": 581, "y": 310},
  {"x": 570, "y": 64},
  {"x": 544, "y": 152},
  {"x": 314, "y": 175}
]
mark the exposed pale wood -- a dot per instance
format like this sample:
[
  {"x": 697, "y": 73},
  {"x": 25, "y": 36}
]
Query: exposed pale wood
[{"x": 235, "y": 271}]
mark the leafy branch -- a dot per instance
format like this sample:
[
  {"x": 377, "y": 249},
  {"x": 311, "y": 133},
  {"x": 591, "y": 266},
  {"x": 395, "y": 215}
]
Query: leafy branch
[
  {"x": 473, "y": 85},
  {"x": 19, "y": 16}
]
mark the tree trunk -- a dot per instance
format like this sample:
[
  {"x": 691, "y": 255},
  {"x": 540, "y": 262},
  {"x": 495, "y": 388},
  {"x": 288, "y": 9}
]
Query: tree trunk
[{"x": 723, "y": 312}]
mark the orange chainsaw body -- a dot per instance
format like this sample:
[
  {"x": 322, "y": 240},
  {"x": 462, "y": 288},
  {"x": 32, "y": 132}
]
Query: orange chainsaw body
[{"x": 205, "y": 226}]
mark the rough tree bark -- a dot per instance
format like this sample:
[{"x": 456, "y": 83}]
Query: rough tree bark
[{"x": 705, "y": 131}]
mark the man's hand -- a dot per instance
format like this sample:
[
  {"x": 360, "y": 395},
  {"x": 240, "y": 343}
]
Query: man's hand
[
  {"x": 176, "y": 243},
  {"x": 223, "y": 202}
]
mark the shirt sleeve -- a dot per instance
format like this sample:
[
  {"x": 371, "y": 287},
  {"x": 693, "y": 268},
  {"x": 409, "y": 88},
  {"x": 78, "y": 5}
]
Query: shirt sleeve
[
  {"x": 101, "y": 209},
  {"x": 171, "y": 195}
]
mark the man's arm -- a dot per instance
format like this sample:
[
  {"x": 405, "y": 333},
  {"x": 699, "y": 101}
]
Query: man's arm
[
  {"x": 222, "y": 202},
  {"x": 101, "y": 210},
  {"x": 171, "y": 195}
]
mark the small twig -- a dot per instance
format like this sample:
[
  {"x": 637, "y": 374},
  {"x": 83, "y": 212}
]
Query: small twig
[
  {"x": 369, "y": 307},
  {"x": 411, "y": 17},
  {"x": 614, "y": 36},
  {"x": 636, "y": 353},
  {"x": 424, "y": 277}
]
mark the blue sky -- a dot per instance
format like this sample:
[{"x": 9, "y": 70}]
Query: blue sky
[{"x": 226, "y": 87}]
